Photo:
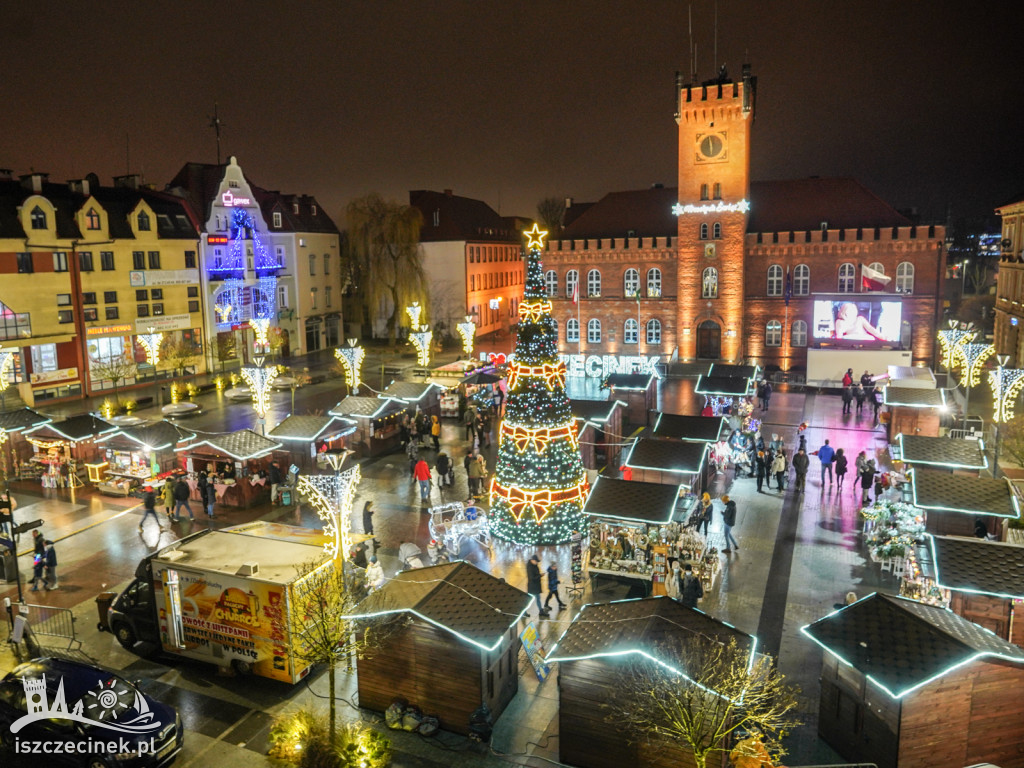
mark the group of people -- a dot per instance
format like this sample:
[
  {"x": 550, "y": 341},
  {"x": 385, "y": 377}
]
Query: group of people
[
  {"x": 414, "y": 428},
  {"x": 533, "y": 584},
  {"x": 770, "y": 462},
  {"x": 478, "y": 423},
  {"x": 859, "y": 392},
  {"x": 176, "y": 494}
]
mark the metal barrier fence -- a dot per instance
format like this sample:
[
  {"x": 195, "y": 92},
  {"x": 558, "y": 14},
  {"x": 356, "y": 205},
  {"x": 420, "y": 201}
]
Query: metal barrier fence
[{"x": 47, "y": 622}]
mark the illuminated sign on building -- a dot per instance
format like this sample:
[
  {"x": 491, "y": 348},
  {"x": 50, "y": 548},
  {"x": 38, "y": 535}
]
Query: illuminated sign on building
[
  {"x": 103, "y": 330},
  {"x": 217, "y": 239},
  {"x": 720, "y": 207},
  {"x": 599, "y": 366},
  {"x": 229, "y": 200}
]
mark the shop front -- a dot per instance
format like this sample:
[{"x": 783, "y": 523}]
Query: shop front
[
  {"x": 60, "y": 451},
  {"x": 16, "y": 448},
  {"x": 239, "y": 463}
]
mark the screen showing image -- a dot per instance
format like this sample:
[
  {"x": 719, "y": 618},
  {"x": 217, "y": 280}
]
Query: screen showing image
[{"x": 857, "y": 320}]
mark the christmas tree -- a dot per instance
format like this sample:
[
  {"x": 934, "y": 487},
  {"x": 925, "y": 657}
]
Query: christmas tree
[{"x": 539, "y": 483}]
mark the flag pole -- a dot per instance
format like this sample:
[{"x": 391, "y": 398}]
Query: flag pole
[{"x": 579, "y": 323}]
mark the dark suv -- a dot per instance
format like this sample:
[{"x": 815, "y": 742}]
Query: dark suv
[{"x": 59, "y": 712}]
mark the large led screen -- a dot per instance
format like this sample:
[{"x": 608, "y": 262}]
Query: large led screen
[{"x": 855, "y": 319}]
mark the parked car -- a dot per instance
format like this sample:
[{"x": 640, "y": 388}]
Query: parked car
[{"x": 59, "y": 712}]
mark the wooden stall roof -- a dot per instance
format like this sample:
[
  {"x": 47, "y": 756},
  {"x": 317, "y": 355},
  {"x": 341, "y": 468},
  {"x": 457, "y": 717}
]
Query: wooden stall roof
[
  {"x": 944, "y": 452},
  {"x": 459, "y": 597},
  {"x": 667, "y": 455},
  {"x": 22, "y": 419},
  {"x": 728, "y": 386},
  {"x": 242, "y": 445},
  {"x": 612, "y": 498},
  {"x": 979, "y": 566},
  {"x": 704, "y": 429},
  {"x": 914, "y": 397},
  {"x": 410, "y": 392},
  {"x": 308, "y": 428},
  {"x": 361, "y": 406},
  {"x": 155, "y": 436},
  {"x": 84, "y": 426},
  {"x": 629, "y": 381},
  {"x": 640, "y": 627},
  {"x": 594, "y": 411},
  {"x": 901, "y": 644},
  {"x": 963, "y": 493},
  {"x": 735, "y": 371}
]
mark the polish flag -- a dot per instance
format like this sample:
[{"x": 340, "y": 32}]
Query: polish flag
[
  {"x": 872, "y": 279},
  {"x": 576, "y": 292}
]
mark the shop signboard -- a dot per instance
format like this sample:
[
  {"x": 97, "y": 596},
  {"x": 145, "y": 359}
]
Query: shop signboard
[
  {"x": 163, "y": 323},
  {"x": 160, "y": 277},
  {"x": 535, "y": 651},
  {"x": 45, "y": 377},
  {"x": 600, "y": 366}
]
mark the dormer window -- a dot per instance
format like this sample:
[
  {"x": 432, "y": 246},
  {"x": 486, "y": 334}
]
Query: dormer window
[
  {"x": 313, "y": 209},
  {"x": 295, "y": 208},
  {"x": 38, "y": 218},
  {"x": 144, "y": 223},
  {"x": 277, "y": 219},
  {"x": 92, "y": 219}
]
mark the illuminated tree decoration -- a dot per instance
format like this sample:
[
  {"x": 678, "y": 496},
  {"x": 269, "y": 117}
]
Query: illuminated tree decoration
[
  {"x": 261, "y": 327},
  {"x": 332, "y": 497},
  {"x": 413, "y": 311},
  {"x": 223, "y": 313},
  {"x": 972, "y": 357},
  {"x": 949, "y": 341},
  {"x": 259, "y": 380},
  {"x": 539, "y": 485},
  {"x": 351, "y": 358},
  {"x": 1007, "y": 384},
  {"x": 6, "y": 361},
  {"x": 467, "y": 331},
  {"x": 422, "y": 339},
  {"x": 151, "y": 343}
]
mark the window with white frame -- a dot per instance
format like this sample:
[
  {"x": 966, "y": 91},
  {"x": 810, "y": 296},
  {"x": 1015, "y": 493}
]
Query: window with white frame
[
  {"x": 594, "y": 331},
  {"x": 775, "y": 280},
  {"x": 312, "y": 264},
  {"x": 572, "y": 279},
  {"x": 801, "y": 280},
  {"x": 654, "y": 331},
  {"x": 327, "y": 263},
  {"x": 653, "y": 283},
  {"x": 798, "y": 337},
  {"x": 631, "y": 333},
  {"x": 631, "y": 283},
  {"x": 877, "y": 266},
  {"x": 327, "y": 296},
  {"x": 847, "y": 276},
  {"x": 551, "y": 283},
  {"x": 709, "y": 284},
  {"x": 773, "y": 334},
  {"x": 572, "y": 330},
  {"x": 905, "y": 277},
  {"x": 594, "y": 283},
  {"x": 277, "y": 219},
  {"x": 282, "y": 296}
]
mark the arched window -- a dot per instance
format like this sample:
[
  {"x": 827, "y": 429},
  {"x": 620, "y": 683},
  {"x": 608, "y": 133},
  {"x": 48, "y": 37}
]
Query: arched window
[
  {"x": 773, "y": 334},
  {"x": 572, "y": 330},
  {"x": 654, "y": 331},
  {"x": 631, "y": 283},
  {"x": 846, "y": 277},
  {"x": 877, "y": 266},
  {"x": 704, "y": 231},
  {"x": 594, "y": 331},
  {"x": 92, "y": 219},
  {"x": 774, "y": 280},
  {"x": 572, "y": 280},
  {"x": 905, "y": 277},
  {"x": 703, "y": 191},
  {"x": 716, "y": 230},
  {"x": 594, "y": 283},
  {"x": 632, "y": 332},
  {"x": 798, "y": 338},
  {"x": 709, "y": 289},
  {"x": 654, "y": 283},
  {"x": 801, "y": 280},
  {"x": 38, "y": 218},
  {"x": 718, "y": 191},
  {"x": 551, "y": 282},
  {"x": 143, "y": 221}
]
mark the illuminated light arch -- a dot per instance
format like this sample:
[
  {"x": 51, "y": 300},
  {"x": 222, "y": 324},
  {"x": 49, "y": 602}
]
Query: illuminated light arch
[{"x": 332, "y": 496}]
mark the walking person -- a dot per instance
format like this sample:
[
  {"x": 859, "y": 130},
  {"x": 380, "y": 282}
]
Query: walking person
[
  {"x": 767, "y": 394},
  {"x": 841, "y": 463},
  {"x": 858, "y": 465},
  {"x": 760, "y": 394},
  {"x": 211, "y": 493},
  {"x": 867, "y": 479},
  {"x": 51, "y": 566},
  {"x": 672, "y": 583},
  {"x": 167, "y": 495},
  {"x": 762, "y": 470},
  {"x": 876, "y": 400},
  {"x": 435, "y": 432},
  {"x": 469, "y": 421},
  {"x": 275, "y": 481},
  {"x": 848, "y": 378},
  {"x": 533, "y": 583},
  {"x": 861, "y": 396},
  {"x": 443, "y": 466},
  {"x": 7, "y": 506},
  {"x": 149, "y": 508},
  {"x": 421, "y": 472},
  {"x": 801, "y": 463},
  {"x": 412, "y": 450},
  {"x": 181, "y": 494},
  {"x": 38, "y": 559},
  {"x": 728, "y": 521},
  {"x": 779, "y": 467},
  {"x": 847, "y": 399},
  {"x": 826, "y": 454},
  {"x": 690, "y": 589},
  {"x": 707, "y": 511},
  {"x": 553, "y": 587},
  {"x": 368, "y": 518}
]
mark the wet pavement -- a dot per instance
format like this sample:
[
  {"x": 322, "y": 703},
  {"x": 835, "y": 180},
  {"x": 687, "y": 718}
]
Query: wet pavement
[{"x": 799, "y": 554}]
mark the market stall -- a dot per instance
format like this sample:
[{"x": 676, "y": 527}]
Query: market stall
[
  {"x": 136, "y": 456},
  {"x": 309, "y": 438},
  {"x": 459, "y": 650},
  {"x": 725, "y": 386},
  {"x": 16, "y": 448},
  {"x": 909, "y": 684},
  {"x": 378, "y": 423},
  {"x": 599, "y": 427},
  {"x": 698, "y": 429},
  {"x": 914, "y": 410},
  {"x": 638, "y": 529},
  {"x": 963, "y": 457},
  {"x": 417, "y": 396},
  {"x": 729, "y": 371},
  {"x": 595, "y": 652},
  {"x": 62, "y": 448},
  {"x": 638, "y": 390},
  {"x": 955, "y": 505},
  {"x": 673, "y": 462},
  {"x": 241, "y": 463}
]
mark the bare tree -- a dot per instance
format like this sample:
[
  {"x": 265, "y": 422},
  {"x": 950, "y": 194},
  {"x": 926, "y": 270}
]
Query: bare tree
[
  {"x": 275, "y": 340},
  {"x": 1011, "y": 435},
  {"x": 720, "y": 694},
  {"x": 385, "y": 263},
  {"x": 551, "y": 211},
  {"x": 178, "y": 354},
  {"x": 225, "y": 348},
  {"x": 114, "y": 369}
]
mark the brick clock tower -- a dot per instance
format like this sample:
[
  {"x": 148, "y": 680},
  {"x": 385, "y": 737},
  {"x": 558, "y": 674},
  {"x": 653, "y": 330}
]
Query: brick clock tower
[{"x": 714, "y": 189}]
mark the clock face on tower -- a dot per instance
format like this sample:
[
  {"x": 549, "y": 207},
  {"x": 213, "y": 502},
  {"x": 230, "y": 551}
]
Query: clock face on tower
[{"x": 711, "y": 147}]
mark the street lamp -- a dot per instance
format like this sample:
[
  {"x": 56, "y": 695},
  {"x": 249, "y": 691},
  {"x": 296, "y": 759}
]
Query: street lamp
[
  {"x": 351, "y": 359},
  {"x": 963, "y": 276},
  {"x": 260, "y": 380},
  {"x": 972, "y": 357}
]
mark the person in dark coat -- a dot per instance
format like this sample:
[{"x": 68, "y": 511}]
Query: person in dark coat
[
  {"x": 443, "y": 466},
  {"x": 728, "y": 521},
  {"x": 181, "y": 494},
  {"x": 767, "y": 394},
  {"x": 533, "y": 582},
  {"x": 861, "y": 396},
  {"x": 368, "y": 518},
  {"x": 275, "y": 480},
  {"x": 690, "y": 589},
  {"x": 867, "y": 479},
  {"x": 149, "y": 507},
  {"x": 842, "y": 463},
  {"x": 762, "y": 470},
  {"x": 801, "y": 463},
  {"x": 847, "y": 398},
  {"x": 38, "y": 559},
  {"x": 51, "y": 566},
  {"x": 553, "y": 586}
]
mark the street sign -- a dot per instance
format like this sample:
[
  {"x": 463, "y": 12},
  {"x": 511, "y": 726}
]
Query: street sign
[{"x": 22, "y": 527}]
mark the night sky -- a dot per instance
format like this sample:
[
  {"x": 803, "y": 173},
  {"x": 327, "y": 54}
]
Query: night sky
[{"x": 511, "y": 102}]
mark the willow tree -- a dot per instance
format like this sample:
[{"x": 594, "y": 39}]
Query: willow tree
[
  {"x": 385, "y": 262},
  {"x": 551, "y": 211}
]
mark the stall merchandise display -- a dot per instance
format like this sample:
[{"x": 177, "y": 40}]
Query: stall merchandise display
[
  {"x": 917, "y": 583},
  {"x": 891, "y": 528},
  {"x": 646, "y": 551}
]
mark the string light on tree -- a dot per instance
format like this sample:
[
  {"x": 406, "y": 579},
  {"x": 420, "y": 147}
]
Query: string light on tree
[
  {"x": 950, "y": 340},
  {"x": 467, "y": 331},
  {"x": 1006, "y": 384},
  {"x": 539, "y": 485},
  {"x": 351, "y": 359},
  {"x": 421, "y": 340}
]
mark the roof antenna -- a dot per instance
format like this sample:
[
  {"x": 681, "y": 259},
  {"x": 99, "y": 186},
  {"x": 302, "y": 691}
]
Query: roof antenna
[
  {"x": 693, "y": 55},
  {"x": 716, "y": 34},
  {"x": 127, "y": 154},
  {"x": 216, "y": 124}
]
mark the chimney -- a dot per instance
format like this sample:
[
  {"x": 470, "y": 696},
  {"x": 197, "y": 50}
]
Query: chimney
[
  {"x": 81, "y": 186},
  {"x": 6, "y": 174},
  {"x": 128, "y": 181},
  {"x": 448, "y": 193},
  {"x": 34, "y": 181}
]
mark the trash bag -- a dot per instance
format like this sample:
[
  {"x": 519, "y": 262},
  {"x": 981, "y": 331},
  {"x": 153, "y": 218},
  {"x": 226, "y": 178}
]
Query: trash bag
[
  {"x": 411, "y": 719},
  {"x": 429, "y": 726},
  {"x": 480, "y": 724},
  {"x": 393, "y": 714}
]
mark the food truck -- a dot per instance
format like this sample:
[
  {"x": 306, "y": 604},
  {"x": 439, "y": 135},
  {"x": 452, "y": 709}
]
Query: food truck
[{"x": 223, "y": 596}]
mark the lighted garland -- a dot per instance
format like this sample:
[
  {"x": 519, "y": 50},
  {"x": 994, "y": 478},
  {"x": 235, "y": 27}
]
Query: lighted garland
[
  {"x": 259, "y": 380},
  {"x": 540, "y": 502},
  {"x": 413, "y": 311},
  {"x": 332, "y": 497},
  {"x": 6, "y": 361},
  {"x": 972, "y": 357},
  {"x": 351, "y": 359},
  {"x": 525, "y": 437},
  {"x": 950, "y": 341},
  {"x": 467, "y": 331},
  {"x": 1006, "y": 384},
  {"x": 421, "y": 340},
  {"x": 261, "y": 327},
  {"x": 552, "y": 374}
]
